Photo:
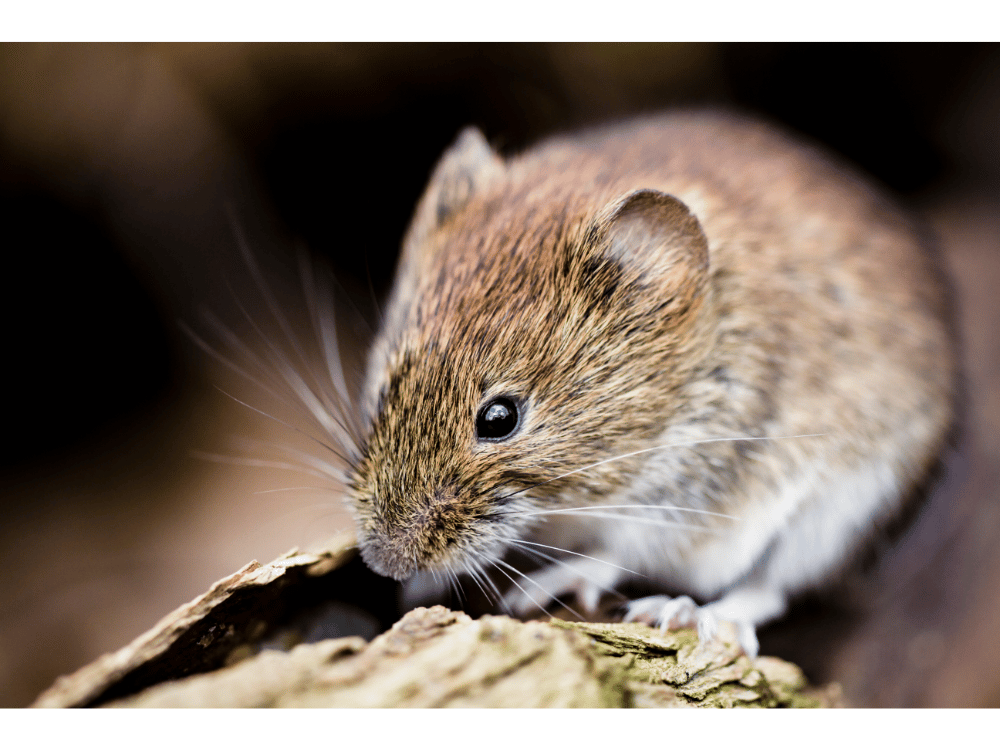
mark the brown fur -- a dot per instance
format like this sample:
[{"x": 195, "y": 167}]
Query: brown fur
[{"x": 691, "y": 275}]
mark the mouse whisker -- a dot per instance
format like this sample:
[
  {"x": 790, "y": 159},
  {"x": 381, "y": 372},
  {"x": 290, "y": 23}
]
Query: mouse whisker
[
  {"x": 521, "y": 542},
  {"x": 278, "y": 365},
  {"x": 470, "y": 571},
  {"x": 590, "y": 579},
  {"x": 573, "y": 511},
  {"x": 290, "y": 426},
  {"x": 312, "y": 400},
  {"x": 534, "y": 583},
  {"x": 322, "y": 312},
  {"x": 647, "y": 521},
  {"x": 306, "y": 459},
  {"x": 325, "y": 416},
  {"x": 256, "y": 463},
  {"x": 351, "y": 300},
  {"x": 371, "y": 289},
  {"x": 493, "y": 585},
  {"x": 329, "y": 508},
  {"x": 262, "y": 285},
  {"x": 496, "y": 564},
  {"x": 486, "y": 577},
  {"x": 331, "y": 408},
  {"x": 318, "y": 403},
  {"x": 294, "y": 489},
  {"x": 455, "y": 586},
  {"x": 666, "y": 446},
  {"x": 234, "y": 342},
  {"x": 447, "y": 579}
]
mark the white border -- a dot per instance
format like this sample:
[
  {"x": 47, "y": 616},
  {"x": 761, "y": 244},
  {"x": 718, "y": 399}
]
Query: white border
[{"x": 520, "y": 20}]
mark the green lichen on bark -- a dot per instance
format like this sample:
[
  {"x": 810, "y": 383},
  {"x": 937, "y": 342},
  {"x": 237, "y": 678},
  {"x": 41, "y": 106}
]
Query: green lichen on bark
[
  {"x": 430, "y": 658},
  {"x": 438, "y": 658},
  {"x": 673, "y": 668},
  {"x": 210, "y": 652}
]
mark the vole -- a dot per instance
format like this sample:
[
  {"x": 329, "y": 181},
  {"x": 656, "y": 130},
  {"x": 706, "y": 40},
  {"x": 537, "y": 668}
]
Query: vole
[{"x": 684, "y": 347}]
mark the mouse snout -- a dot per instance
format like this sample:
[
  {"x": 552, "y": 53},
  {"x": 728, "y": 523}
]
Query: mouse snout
[{"x": 414, "y": 537}]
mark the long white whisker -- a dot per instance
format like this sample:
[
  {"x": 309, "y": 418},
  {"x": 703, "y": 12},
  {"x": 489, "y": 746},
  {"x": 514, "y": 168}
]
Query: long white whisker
[
  {"x": 233, "y": 341},
  {"x": 307, "y": 459},
  {"x": 289, "y": 426},
  {"x": 371, "y": 288},
  {"x": 328, "y": 511},
  {"x": 471, "y": 572},
  {"x": 625, "y": 507},
  {"x": 460, "y": 590},
  {"x": 657, "y": 448},
  {"x": 550, "y": 558},
  {"x": 322, "y": 312},
  {"x": 647, "y": 521},
  {"x": 495, "y": 564},
  {"x": 262, "y": 286},
  {"x": 534, "y": 583},
  {"x": 326, "y": 418},
  {"x": 486, "y": 577},
  {"x": 518, "y": 542},
  {"x": 352, "y": 302},
  {"x": 294, "y": 489},
  {"x": 255, "y": 462},
  {"x": 324, "y": 413},
  {"x": 450, "y": 583}
]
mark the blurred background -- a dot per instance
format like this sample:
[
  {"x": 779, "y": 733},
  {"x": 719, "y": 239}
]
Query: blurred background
[{"x": 120, "y": 169}]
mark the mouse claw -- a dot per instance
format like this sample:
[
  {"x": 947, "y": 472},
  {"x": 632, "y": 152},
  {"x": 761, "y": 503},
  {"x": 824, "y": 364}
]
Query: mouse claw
[
  {"x": 707, "y": 625},
  {"x": 747, "y": 637},
  {"x": 668, "y": 613},
  {"x": 588, "y": 595},
  {"x": 671, "y": 613}
]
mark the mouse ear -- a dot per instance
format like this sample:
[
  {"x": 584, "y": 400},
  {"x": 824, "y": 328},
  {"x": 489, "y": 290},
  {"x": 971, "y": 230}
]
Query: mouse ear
[
  {"x": 466, "y": 167},
  {"x": 655, "y": 234}
]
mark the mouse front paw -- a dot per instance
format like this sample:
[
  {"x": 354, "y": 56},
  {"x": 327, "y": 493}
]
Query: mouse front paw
[{"x": 671, "y": 613}]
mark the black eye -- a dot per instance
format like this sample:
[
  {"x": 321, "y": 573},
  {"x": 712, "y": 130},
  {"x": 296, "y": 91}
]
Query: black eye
[{"x": 497, "y": 420}]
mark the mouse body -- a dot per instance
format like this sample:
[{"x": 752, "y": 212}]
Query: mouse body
[{"x": 684, "y": 347}]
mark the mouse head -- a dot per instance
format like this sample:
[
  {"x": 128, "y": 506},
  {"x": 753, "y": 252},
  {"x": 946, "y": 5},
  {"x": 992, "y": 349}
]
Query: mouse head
[{"x": 538, "y": 324}]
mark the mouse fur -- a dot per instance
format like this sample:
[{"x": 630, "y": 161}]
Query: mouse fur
[{"x": 721, "y": 322}]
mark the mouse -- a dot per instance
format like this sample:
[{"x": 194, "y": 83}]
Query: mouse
[{"x": 687, "y": 348}]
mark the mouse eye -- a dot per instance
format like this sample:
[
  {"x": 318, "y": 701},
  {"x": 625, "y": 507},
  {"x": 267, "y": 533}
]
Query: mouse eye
[{"x": 497, "y": 420}]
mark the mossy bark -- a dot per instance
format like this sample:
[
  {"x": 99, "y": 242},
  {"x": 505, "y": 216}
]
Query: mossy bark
[{"x": 220, "y": 650}]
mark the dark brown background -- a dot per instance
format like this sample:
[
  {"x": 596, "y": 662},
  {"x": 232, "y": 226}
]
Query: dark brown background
[{"x": 117, "y": 163}]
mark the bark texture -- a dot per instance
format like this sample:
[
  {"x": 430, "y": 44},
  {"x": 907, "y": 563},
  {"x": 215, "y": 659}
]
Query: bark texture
[{"x": 222, "y": 650}]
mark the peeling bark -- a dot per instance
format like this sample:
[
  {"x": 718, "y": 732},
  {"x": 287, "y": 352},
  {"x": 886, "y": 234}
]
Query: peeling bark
[{"x": 221, "y": 650}]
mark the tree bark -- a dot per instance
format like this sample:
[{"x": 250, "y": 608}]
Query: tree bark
[{"x": 237, "y": 645}]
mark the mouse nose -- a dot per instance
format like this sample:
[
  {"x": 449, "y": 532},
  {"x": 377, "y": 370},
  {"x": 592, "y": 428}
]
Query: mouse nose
[
  {"x": 388, "y": 559},
  {"x": 401, "y": 544}
]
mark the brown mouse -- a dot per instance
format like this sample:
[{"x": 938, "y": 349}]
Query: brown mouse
[{"x": 684, "y": 347}]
